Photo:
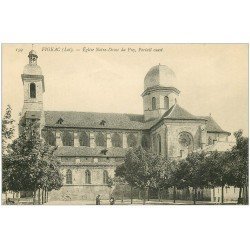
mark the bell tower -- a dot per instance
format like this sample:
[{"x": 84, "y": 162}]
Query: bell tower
[
  {"x": 160, "y": 93},
  {"x": 33, "y": 85}
]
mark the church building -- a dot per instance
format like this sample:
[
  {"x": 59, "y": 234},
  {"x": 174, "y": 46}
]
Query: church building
[{"x": 91, "y": 145}]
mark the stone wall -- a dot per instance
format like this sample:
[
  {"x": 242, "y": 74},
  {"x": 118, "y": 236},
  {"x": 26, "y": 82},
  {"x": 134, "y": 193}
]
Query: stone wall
[
  {"x": 79, "y": 190},
  {"x": 215, "y": 137},
  {"x": 173, "y": 147},
  {"x": 33, "y": 104}
]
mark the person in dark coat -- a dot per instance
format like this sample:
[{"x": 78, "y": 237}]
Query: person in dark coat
[
  {"x": 98, "y": 200},
  {"x": 112, "y": 200}
]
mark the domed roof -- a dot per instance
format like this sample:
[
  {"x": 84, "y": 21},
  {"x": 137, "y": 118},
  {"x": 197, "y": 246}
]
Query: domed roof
[
  {"x": 32, "y": 52},
  {"x": 32, "y": 69},
  {"x": 159, "y": 75}
]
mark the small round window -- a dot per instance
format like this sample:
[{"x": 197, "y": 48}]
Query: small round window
[{"x": 185, "y": 139}]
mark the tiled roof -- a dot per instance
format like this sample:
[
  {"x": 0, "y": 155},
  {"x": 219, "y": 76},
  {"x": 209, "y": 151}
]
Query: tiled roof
[
  {"x": 87, "y": 151},
  {"x": 212, "y": 125},
  {"x": 176, "y": 112},
  {"x": 119, "y": 121},
  {"x": 94, "y": 120}
]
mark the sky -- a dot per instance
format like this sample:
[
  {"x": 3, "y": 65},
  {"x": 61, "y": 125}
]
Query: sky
[{"x": 212, "y": 78}]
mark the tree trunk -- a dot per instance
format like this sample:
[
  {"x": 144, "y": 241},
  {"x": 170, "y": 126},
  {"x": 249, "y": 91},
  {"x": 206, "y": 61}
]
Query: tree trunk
[
  {"x": 122, "y": 194},
  {"x": 45, "y": 192},
  {"x": 148, "y": 193},
  {"x": 246, "y": 195},
  {"x": 6, "y": 197},
  {"x": 42, "y": 196},
  {"x": 34, "y": 197},
  {"x": 110, "y": 189},
  {"x": 18, "y": 197},
  {"x": 195, "y": 193},
  {"x": 47, "y": 196},
  {"x": 144, "y": 196},
  {"x": 159, "y": 195},
  {"x": 131, "y": 195},
  {"x": 174, "y": 193},
  {"x": 39, "y": 196},
  {"x": 139, "y": 194},
  {"x": 222, "y": 194}
]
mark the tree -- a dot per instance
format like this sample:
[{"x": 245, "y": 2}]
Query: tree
[
  {"x": 239, "y": 165},
  {"x": 191, "y": 173},
  {"x": 161, "y": 172},
  {"x": 8, "y": 130},
  {"x": 110, "y": 184},
  {"x": 121, "y": 182},
  {"x": 219, "y": 169},
  {"x": 180, "y": 176},
  {"x": 32, "y": 163},
  {"x": 136, "y": 170}
]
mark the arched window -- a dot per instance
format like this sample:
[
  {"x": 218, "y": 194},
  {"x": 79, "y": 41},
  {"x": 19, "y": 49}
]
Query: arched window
[
  {"x": 101, "y": 140},
  {"x": 116, "y": 140},
  {"x": 145, "y": 141},
  {"x": 166, "y": 102},
  {"x": 84, "y": 139},
  {"x": 69, "y": 177},
  {"x": 87, "y": 177},
  {"x": 159, "y": 143},
  {"x": 131, "y": 139},
  {"x": 105, "y": 177},
  {"x": 186, "y": 141},
  {"x": 32, "y": 90},
  {"x": 153, "y": 103},
  {"x": 154, "y": 143},
  {"x": 67, "y": 138},
  {"x": 50, "y": 138}
]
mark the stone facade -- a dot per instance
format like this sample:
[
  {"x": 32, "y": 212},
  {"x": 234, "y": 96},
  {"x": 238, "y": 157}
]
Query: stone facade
[{"x": 91, "y": 145}]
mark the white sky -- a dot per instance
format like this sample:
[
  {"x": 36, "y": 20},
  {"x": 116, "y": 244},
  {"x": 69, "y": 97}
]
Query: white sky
[{"x": 212, "y": 78}]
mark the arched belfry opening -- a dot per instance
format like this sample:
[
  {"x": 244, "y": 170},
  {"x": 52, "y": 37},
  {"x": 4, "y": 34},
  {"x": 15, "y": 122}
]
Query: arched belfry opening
[
  {"x": 32, "y": 90},
  {"x": 166, "y": 102}
]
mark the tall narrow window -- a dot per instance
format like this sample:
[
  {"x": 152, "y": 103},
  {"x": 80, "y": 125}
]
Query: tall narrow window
[
  {"x": 69, "y": 177},
  {"x": 116, "y": 140},
  {"x": 105, "y": 177},
  {"x": 87, "y": 177},
  {"x": 67, "y": 138},
  {"x": 101, "y": 140},
  {"x": 84, "y": 139},
  {"x": 166, "y": 102},
  {"x": 154, "y": 143},
  {"x": 32, "y": 90},
  {"x": 153, "y": 103},
  {"x": 159, "y": 143}
]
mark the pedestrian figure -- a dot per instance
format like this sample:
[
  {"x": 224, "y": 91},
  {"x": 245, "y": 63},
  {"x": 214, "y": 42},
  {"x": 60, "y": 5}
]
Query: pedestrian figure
[
  {"x": 98, "y": 200},
  {"x": 112, "y": 200}
]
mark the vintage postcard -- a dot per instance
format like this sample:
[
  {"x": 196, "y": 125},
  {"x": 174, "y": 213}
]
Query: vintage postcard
[{"x": 124, "y": 124}]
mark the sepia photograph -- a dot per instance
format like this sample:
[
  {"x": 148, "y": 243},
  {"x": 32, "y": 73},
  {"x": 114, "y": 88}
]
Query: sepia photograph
[{"x": 125, "y": 124}]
